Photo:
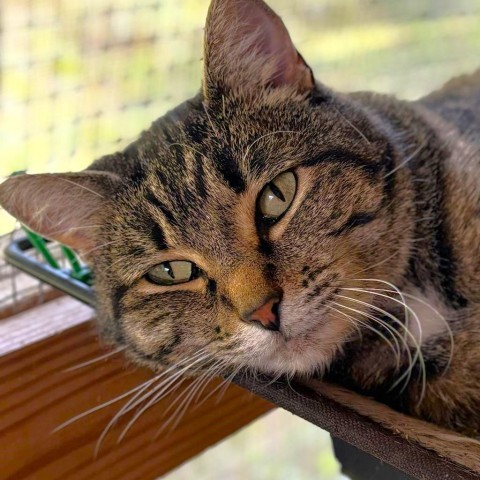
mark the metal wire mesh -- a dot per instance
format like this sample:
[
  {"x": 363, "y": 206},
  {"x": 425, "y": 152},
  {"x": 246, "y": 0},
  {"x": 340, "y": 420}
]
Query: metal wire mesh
[
  {"x": 80, "y": 77},
  {"x": 17, "y": 289}
]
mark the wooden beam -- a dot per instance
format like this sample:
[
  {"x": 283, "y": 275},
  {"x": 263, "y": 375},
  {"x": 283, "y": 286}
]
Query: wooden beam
[{"x": 37, "y": 394}]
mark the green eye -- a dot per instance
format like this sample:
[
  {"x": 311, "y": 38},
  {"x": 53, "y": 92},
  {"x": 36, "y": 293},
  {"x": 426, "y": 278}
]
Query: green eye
[
  {"x": 277, "y": 196},
  {"x": 173, "y": 273}
]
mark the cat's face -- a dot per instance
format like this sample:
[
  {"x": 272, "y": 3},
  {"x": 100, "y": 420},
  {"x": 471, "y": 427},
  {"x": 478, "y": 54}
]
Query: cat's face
[
  {"x": 234, "y": 225},
  {"x": 201, "y": 193}
]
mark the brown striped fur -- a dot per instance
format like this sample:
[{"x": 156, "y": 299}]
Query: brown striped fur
[{"x": 388, "y": 198}]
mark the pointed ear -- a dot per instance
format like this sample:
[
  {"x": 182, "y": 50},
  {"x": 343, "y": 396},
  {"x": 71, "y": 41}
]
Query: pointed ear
[
  {"x": 63, "y": 207},
  {"x": 247, "y": 48}
]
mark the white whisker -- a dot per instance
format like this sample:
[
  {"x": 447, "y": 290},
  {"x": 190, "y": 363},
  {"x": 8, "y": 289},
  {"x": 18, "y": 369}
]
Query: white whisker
[
  {"x": 378, "y": 263},
  {"x": 396, "y": 352},
  {"x": 434, "y": 310},
  {"x": 98, "y": 407},
  {"x": 164, "y": 388},
  {"x": 215, "y": 372},
  {"x": 352, "y": 125},
  {"x": 134, "y": 401},
  {"x": 182, "y": 408},
  {"x": 83, "y": 187},
  {"x": 418, "y": 353},
  {"x": 276, "y": 132},
  {"x": 94, "y": 360},
  {"x": 408, "y": 159},
  {"x": 227, "y": 383}
]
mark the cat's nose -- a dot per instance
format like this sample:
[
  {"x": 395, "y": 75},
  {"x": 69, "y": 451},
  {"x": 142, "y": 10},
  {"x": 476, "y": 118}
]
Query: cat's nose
[{"x": 267, "y": 314}]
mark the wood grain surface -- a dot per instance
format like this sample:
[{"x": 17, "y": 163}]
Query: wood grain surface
[{"x": 38, "y": 393}]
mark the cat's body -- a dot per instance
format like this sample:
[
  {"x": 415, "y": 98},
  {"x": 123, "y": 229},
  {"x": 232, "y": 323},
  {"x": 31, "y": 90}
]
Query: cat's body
[
  {"x": 444, "y": 267},
  {"x": 272, "y": 224}
]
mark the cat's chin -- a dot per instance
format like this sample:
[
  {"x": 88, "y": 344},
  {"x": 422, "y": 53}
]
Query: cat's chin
[
  {"x": 305, "y": 354},
  {"x": 290, "y": 361}
]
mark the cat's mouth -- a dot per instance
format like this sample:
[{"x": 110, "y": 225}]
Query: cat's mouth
[
  {"x": 302, "y": 335},
  {"x": 305, "y": 342},
  {"x": 291, "y": 328}
]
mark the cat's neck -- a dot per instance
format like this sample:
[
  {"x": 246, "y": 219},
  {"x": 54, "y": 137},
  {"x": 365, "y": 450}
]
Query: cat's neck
[{"x": 444, "y": 176}]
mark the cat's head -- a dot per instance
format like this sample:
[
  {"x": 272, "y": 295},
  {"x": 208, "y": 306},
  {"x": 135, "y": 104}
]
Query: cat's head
[{"x": 240, "y": 223}]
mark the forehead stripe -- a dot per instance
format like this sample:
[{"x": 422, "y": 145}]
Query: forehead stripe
[
  {"x": 229, "y": 169},
  {"x": 200, "y": 177},
  {"x": 158, "y": 237},
  {"x": 348, "y": 159},
  {"x": 151, "y": 198}
]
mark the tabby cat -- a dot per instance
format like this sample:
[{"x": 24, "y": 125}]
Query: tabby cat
[{"x": 273, "y": 224}]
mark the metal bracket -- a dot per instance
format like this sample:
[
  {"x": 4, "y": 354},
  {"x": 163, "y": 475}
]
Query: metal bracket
[{"x": 17, "y": 255}]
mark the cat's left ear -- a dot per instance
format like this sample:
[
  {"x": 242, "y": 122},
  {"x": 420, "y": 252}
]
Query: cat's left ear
[
  {"x": 66, "y": 207},
  {"x": 248, "y": 48}
]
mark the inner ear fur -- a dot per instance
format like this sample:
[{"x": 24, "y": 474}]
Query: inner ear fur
[
  {"x": 248, "y": 49},
  {"x": 64, "y": 207}
]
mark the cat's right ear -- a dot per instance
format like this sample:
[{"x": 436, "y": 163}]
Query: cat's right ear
[
  {"x": 65, "y": 207},
  {"x": 248, "y": 49}
]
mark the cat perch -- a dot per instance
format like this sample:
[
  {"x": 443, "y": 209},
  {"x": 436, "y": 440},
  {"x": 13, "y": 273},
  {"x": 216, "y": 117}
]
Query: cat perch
[
  {"x": 371, "y": 440},
  {"x": 413, "y": 447}
]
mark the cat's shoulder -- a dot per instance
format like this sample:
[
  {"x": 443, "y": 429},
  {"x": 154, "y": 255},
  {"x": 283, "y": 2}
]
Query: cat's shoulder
[
  {"x": 463, "y": 87},
  {"x": 458, "y": 102}
]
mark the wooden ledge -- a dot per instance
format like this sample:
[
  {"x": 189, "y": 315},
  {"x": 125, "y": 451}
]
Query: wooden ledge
[{"x": 37, "y": 395}]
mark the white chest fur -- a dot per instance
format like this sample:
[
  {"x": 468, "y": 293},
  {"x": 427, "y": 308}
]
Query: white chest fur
[{"x": 427, "y": 315}]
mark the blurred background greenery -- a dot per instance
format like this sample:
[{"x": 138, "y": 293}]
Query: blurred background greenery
[
  {"x": 81, "y": 78},
  {"x": 278, "y": 446}
]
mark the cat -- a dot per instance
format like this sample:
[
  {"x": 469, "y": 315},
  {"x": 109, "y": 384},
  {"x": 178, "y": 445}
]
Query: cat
[{"x": 273, "y": 224}]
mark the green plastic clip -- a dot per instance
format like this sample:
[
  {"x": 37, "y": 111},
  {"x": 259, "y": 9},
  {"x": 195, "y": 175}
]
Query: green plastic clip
[{"x": 77, "y": 271}]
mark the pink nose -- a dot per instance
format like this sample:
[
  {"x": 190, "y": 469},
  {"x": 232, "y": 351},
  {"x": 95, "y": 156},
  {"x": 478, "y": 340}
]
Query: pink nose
[{"x": 267, "y": 314}]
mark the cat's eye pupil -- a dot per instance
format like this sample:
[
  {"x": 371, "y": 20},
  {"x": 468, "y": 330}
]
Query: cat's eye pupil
[
  {"x": 276, "y": 191},
  {"x": 173, "y": 273},
  {"x": 168, "y": 269},
  {"x": 277, "y": 196}
]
